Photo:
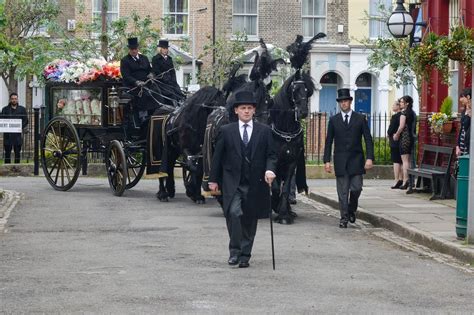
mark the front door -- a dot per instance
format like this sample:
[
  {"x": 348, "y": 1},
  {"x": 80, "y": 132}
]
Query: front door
[
  {"x": 363, "y": 101},
  {"x": 327, "y": 99}
]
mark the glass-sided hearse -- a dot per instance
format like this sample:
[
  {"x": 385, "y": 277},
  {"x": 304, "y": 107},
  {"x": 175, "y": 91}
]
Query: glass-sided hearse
[{"x": 91, "y": 117}]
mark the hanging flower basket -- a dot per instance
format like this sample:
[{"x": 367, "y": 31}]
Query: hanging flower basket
[{"x": 457, "y": 55}]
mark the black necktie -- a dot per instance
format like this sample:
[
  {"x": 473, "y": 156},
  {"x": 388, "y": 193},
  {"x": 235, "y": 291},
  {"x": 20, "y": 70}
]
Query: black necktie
[
  {"x": 346, "y": 120},
  {"x": 245, "y": 137}
]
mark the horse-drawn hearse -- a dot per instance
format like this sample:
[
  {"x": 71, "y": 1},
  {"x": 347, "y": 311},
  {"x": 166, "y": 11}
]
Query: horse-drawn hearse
[{"x": 91, "y": 117}]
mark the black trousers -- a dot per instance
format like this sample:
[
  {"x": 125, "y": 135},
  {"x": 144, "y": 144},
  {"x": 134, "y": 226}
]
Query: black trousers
[
  {"x": 349, "y": 189},
  {"x": 8, "y": 153},
  {"x": 241, "y": 229}
]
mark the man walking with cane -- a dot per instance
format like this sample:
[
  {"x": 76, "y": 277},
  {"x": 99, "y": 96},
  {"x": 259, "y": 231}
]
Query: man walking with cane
[
  {"x": 346, "y": 130},
  {"x": 243, "y": 166}
]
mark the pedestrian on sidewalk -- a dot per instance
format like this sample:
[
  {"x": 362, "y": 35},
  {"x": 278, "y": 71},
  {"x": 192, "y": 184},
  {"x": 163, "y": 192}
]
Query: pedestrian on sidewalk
[
  {"x": 464, "y": 137},
  {"x": 14, "y": 140},
  {"x": 346, "y": 129},
  {"x": 243, "y": 166},
  {"x": 395, "y": 145},
  {"x": 406, "y": 136}
]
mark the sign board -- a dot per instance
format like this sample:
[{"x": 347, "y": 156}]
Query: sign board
[{"x": 10, "y": 125}]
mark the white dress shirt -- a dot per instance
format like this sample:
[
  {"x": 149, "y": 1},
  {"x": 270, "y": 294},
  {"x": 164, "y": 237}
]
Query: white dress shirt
[
  {"x": 344, "y": 116},
  {"x": 249, "y": 129}
]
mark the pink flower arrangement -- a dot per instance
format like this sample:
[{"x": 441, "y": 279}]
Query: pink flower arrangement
[{"x": 78, "y": 72}]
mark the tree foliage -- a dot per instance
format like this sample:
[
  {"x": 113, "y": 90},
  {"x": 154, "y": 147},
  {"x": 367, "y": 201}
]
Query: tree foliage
[{"x": 226, "y": 53}]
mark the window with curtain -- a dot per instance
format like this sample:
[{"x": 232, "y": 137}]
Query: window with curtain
[
  {"x": 112, "y": 10},
  {"x": 314, "y": 17},
  {"x": 377, "y": 23},
  {"x": 453, "y": 13},
  {"x": 244, "y": 17},
  {"x": 176, "y": 14}
]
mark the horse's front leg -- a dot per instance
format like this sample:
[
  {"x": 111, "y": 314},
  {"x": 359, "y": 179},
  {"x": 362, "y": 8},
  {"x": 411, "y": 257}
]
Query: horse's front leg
[
  {"x": 162, "y": 194},
  {"x": 285, "y": 215},
  {"x": 197, "y": 181},
  {"x": 170, "y": 183}
]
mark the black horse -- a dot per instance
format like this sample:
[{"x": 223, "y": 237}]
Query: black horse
[
  {"x": 290, "y": 106},
  {"x": 184, "y": 132}
]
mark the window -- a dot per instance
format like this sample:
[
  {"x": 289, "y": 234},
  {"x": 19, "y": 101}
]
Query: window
[
  {"x": 314, "y": 17},
  {"x": 176, "y": 17},
  {"x": 112, "y": 10},
  {"x": 453, "y": 13},
  {"x": 378, "y": 21},
  {"x": 244, "y": 17}
]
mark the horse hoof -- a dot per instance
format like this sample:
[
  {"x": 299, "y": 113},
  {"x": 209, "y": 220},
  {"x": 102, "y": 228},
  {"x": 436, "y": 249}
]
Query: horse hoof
[
  {"x": 293, "y": 214},
  {"x": 171, "y": 194}
]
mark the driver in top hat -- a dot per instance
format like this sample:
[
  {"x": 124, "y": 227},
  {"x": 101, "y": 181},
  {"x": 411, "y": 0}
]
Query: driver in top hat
[
  {"x": 243, "y": 167},
  {"x": 135, "y": 69},
  {"x": 346, "y": 130},
  {"x": 164, "y": 71}
]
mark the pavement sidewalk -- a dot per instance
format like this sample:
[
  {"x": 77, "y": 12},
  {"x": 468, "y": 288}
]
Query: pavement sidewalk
[{"x": 429, "y": 223}]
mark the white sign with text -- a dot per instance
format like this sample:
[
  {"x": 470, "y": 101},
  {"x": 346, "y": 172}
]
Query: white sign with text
[{"x": 10, "y": 125}]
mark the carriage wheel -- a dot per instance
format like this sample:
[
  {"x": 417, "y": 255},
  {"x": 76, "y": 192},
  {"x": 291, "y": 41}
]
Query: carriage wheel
[
  {"x": 116, "y": 165},
  {"x": 136, "y": 164},
  {"x": 61, "y": 154}
]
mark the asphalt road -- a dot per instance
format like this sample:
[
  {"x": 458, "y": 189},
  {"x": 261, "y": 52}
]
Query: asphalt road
[{"x": 86, "y": 251}]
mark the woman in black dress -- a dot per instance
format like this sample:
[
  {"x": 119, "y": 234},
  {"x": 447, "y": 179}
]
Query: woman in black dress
[
  {"x": 464, "y": 137},
  {"x": 395, "y": 145},
  {"x": 405, "y": 135}
]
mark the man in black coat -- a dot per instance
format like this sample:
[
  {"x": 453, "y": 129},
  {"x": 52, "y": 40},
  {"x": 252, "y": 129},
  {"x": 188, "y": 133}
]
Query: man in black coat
[
  {"x": 347, "y": 129},
  {"x": 243, "y": 166},
  {"x": 13, "y": 140},
  {"x": 164, "y": 71},
  {"x": 135, "y": 69}
]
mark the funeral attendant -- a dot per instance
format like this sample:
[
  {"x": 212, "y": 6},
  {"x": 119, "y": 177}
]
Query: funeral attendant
[
  {"x": 164, "y": 71},
  {"x": 13, "y": 140},
  {"x": 135, "y": 69},
  {"x": 346, "y": 130},
  {"x": 243, "y": 167}
]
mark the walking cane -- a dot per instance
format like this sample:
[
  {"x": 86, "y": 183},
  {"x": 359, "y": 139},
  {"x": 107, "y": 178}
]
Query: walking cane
[{"x": 271, "y": 228}]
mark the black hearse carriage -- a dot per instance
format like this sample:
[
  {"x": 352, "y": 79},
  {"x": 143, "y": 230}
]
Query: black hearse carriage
[{"x": 91, "y": 117}]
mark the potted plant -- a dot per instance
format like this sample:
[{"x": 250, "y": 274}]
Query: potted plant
[{"x": 442, "y": 121}]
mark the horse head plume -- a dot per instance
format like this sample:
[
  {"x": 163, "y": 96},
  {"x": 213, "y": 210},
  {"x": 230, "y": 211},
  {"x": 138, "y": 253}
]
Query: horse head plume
[
  {"x": 264, "y": 64},
  {"x": 234, "y": 81},
  {"x": 299, "y": 50}
]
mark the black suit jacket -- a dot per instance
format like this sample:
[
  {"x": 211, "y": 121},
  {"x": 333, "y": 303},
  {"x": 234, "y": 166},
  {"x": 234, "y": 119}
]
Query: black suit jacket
[
  {"x": 226, "y": 167},
  {"x": 133, "y": 71},
  {"x": 164, "y": 69},
  {"x": 348, "y": 154},
  {"x": 18, "y": 113}
]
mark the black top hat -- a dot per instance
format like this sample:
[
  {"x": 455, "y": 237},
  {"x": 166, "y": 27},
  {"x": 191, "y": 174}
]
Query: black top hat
[
  {"x": 343, "y": 94},
  {"x": 244, "y": 98},
  {"x": 132, "y": 42},
  {"x": 163, "y": 43}
]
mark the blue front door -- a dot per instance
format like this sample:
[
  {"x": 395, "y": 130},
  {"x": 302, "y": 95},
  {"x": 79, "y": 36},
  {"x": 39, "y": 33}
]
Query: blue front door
[
  {"x": 327, "y": 99},
  {"x": 363, "y": 101}
]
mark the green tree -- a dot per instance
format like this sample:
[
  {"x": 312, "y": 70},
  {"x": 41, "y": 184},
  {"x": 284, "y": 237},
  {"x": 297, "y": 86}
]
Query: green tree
[{"x": 227, "y": 53}]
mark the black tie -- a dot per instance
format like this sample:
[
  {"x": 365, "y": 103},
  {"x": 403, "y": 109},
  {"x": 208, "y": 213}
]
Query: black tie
[
  {"x": 245, "y": 137},
  {"x": 346, "y": 120}
]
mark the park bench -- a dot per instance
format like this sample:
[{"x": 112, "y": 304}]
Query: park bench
[{"x": 435, "y": 166}]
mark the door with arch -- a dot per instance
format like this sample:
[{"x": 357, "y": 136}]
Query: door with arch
[{"x": 328, "y": 93}]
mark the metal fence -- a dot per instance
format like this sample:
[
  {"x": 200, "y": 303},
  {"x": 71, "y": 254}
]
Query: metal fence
[
  {"x": 316, "y": 130},
  {"x": 315, "y": 136}
]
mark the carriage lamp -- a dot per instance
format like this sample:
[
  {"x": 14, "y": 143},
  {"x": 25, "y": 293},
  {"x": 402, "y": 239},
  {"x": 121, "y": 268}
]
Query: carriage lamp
[
  {"x": 400, "y": 23},
  {"x": 114, "y": 103}
]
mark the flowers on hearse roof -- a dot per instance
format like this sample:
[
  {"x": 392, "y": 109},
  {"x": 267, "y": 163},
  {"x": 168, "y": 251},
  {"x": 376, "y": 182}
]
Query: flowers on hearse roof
[{"x": 79, "y": 72}]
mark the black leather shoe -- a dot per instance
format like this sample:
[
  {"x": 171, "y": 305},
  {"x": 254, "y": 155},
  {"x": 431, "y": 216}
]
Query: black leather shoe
[
  {"x": 397, "y": 185},
  {"x": 343, "y": 225},
  {"x": 292, "y": 201},
  {"x": 244, "y": 264},
  {"x": 352, "y": 217},
  {"x": 233, "y": 260}
]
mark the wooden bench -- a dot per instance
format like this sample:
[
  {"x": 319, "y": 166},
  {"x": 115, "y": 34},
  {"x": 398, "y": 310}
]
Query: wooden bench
[{"x": 435, "y": 166}]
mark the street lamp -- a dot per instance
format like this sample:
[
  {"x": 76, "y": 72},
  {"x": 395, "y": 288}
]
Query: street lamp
[
  {"x": 400, "y": 24},
  {"x": 193, "y": 78}
]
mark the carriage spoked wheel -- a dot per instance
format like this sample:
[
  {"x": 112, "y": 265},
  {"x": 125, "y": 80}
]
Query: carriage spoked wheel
[
  {"x": 116, "y": 166},
  {"x": 136, "y": 164},
  {"x": 61, "y": 154}
]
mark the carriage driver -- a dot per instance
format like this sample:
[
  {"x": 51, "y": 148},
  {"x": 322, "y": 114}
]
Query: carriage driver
[
  {"x": 135, "y": 69},
  {"x": 243, "y": 166}
]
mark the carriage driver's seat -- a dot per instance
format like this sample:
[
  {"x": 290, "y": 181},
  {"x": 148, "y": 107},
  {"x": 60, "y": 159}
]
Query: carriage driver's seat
[{"x": 132, "y": 123}]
